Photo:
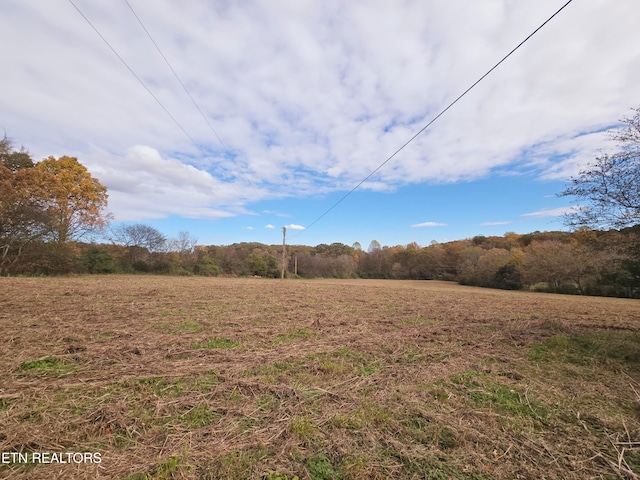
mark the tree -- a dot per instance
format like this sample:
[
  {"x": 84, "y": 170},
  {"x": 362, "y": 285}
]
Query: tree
[
  {"x": 334, "y": 250},
  {"x": 53, "y": 200},
  {"x": 79, "y": 199},
  {"x": 184, "y": 244},
  {"x": 12, "y": 159},
  {"x": 373, "y": 261},
  {"x": 480, "y": 266},
  {"x": 558, "y": 263},
  {"x": 548, "y": 261},
  {"x": 139, "y": 239},
  {"x": 97, "y": 260},
  {"x": 26, "y": 215},
  {"x": 608, "y": 191}
]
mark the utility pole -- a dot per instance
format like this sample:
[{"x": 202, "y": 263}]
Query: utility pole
[{"x": 284, "y": 254}]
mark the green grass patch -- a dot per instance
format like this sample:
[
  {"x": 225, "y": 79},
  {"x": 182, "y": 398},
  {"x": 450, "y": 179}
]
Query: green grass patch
[
  {"x": 362, "y": 363},
  {"x": 609, "y": 348},
  {"x": 170, "y": 468},
  {"x": 470, "y": 378},
  {"x": 437, "y": 392},
  {"x": 199, "y": 416},
  {"x": 291, "y": 336},
  {"x": 374, "y": 415},
  {"x": 5, "y": 403},
  {"x": 238, "y": 464},
  {"x": 158, "y": 386},
  {"x": 320, "y": 468},
  {"x": 434, "y": 468},
  {"x": 499, "y": 397},
  {"x": 202, "y": 383},
  {"x": 303, "y": 428},
  {"x": 48, "y": 366},
  {"x": 311, "y": 368},
  {"x": 347, "y": 422},
  {"x": 143, "y": 388},
  {"x": 419, "y": 321},
  {"x": 486, "y": 393},
  {"x": 415, "y": 428}
]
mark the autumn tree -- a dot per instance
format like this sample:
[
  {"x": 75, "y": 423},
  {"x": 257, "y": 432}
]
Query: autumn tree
[
  {"x": 480, "y": 266},
  {"x": 311, "y": 266},
  {"x": 80, "y": 200},
  {"x": 607, "y": 191},
  {"x": 334, "y": 250},
  {"x": 451, "y": 258},
  {"x": 510, "y": 275},
  {"x": 558, "y": 263},
  {"x": 26, "y": 214},
  {"x": 413, "y": 262},
  {"x": 373, "y": 264}
]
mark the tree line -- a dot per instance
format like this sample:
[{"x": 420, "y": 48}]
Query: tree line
[
  {"x": 49, "y": 211},
  {"x": 588, "y": 262}
]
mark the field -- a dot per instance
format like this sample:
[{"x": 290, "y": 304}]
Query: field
[{"x": 328, "y": 379}]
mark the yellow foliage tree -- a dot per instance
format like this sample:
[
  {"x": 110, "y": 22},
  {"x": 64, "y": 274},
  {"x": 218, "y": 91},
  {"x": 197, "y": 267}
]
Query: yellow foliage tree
[
  {"x": 79, "y": 199},
  {"x": 24, "y": 212}
]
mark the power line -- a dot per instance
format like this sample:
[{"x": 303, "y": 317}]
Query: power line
[
  {"x": 434, "y": 119},
  {"x": 202, "y": 150},
  {"x": 195, "y": 104}
]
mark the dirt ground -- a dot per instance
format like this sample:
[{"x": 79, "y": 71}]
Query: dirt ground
[{"x": 183, "y": 377}]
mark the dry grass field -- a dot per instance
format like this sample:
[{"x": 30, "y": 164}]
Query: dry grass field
[{"x": 172, "y": 378}]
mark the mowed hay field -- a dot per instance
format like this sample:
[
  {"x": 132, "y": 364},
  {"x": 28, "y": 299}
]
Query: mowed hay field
[{"x": 172, "y": 378}]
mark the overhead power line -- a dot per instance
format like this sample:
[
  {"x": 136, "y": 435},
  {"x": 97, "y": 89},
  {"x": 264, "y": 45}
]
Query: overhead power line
[
  {"x": 435, "y": 118},
  {"x": 137, "y": 78},
  {"x": 123, "y": 61},
  {"x": 195, "y": 104}
]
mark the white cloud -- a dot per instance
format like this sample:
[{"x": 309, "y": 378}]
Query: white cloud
[
  {"x": 310, "y": 97},
  {"x": 428, "y": 224},
  {"x": 553, "y": 212},
  {"x": 489, "y": 224},
  {"x": 293, "y": 226},
  {"x": 144, "y": 185},
  {"x": 269, "y": 226}
]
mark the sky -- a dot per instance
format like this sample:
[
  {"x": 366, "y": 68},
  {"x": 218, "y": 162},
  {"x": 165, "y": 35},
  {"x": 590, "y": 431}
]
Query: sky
[{"x": 233, "y": 119}]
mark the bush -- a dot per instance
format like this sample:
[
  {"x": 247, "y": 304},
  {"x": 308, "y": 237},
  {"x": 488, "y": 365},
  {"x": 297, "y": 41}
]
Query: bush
[
  {"x": 51, "y": 258},
  {"x": 97, "y": 260}
]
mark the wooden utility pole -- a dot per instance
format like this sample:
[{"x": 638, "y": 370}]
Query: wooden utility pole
[{"x": 284, "y": 254}]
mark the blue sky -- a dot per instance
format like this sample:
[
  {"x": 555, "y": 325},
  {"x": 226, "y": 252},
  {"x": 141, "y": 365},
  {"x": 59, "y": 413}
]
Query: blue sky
[
  {"x": 303, "y": 100},
  {"x": 420, "y": 213}
]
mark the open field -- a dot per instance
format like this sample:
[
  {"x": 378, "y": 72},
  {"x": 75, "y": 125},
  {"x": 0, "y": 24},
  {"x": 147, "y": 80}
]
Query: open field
[{"x": 170, "y": 377}]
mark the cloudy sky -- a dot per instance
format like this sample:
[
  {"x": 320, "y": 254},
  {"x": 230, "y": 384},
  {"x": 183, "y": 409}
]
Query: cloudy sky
[{"x": 232, "y": 119}]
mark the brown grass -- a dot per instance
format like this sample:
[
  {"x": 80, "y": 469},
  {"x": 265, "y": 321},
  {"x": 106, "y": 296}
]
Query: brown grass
[{"x": 254, "y": 378}]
